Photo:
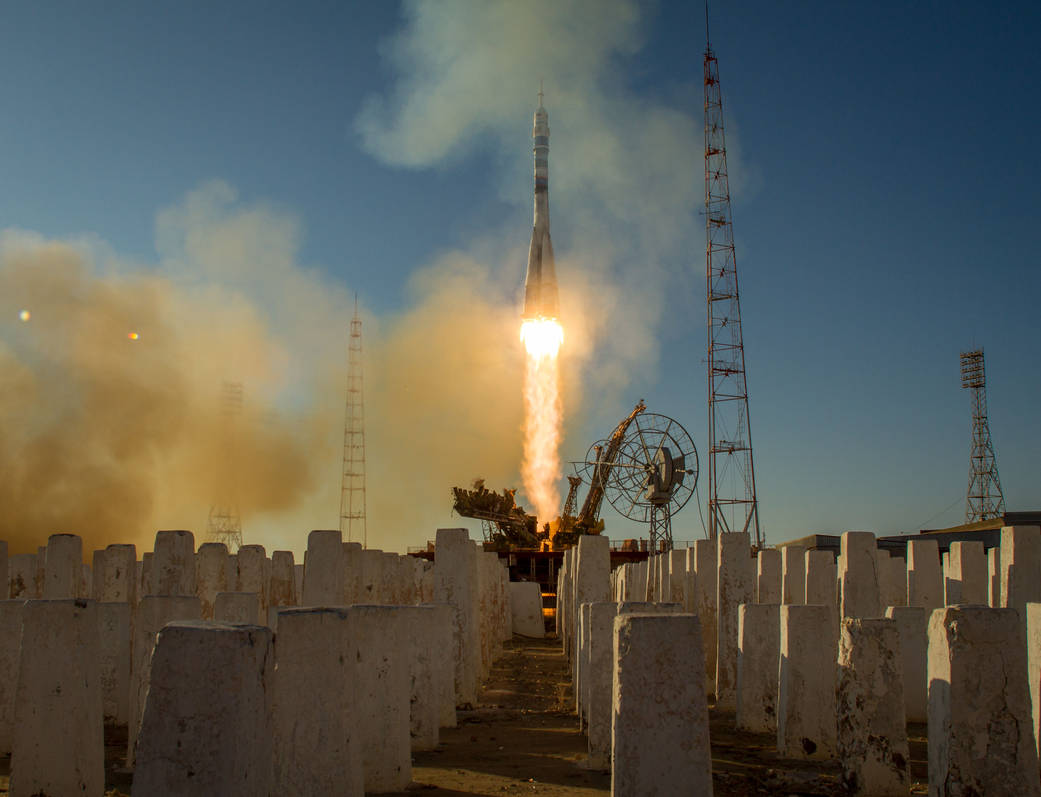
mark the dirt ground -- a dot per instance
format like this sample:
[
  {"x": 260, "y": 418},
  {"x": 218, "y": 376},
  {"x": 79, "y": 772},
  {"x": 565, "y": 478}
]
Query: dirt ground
[{"x": 522, "y": 738}]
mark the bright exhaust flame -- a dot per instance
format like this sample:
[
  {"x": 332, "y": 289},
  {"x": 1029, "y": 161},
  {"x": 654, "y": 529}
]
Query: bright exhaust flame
[{"x": 540, "y": 469}]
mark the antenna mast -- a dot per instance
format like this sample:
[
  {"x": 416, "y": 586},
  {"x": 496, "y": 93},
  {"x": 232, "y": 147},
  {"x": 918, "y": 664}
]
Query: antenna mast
[
  {"x": 732, "y": 504},
  {"x": 352, "y": 487},
  {"x": 224, "y": 523},
  {"x": 984, "y": 499}
]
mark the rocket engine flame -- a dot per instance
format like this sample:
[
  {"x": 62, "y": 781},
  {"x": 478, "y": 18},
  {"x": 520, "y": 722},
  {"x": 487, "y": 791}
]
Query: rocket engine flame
[{"x": 540, "y": 468}]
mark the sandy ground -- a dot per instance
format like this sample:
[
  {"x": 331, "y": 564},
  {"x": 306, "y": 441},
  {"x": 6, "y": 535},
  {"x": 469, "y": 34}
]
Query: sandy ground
[{"x": 522, "y": 738}]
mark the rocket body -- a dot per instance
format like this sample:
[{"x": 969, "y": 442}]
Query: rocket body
[{"x": 540, "y": 285}]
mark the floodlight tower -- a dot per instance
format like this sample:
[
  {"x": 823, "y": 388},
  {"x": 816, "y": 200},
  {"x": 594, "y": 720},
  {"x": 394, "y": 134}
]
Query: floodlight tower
[
  {"x": 352, "y": 485},
  {"x": 224, "y": 522},
  {"x": 732, "y": 504},
  {"x": 984, "y": 499}
]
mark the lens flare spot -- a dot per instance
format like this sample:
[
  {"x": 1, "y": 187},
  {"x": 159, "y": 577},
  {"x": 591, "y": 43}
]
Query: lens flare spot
[
  {"x": 132, "y": 336},
  {"x": 25, "y": 315}
]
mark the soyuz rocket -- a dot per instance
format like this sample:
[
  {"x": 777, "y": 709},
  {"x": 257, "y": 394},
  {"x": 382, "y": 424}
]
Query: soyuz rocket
[{"x": 540, "y": 284}]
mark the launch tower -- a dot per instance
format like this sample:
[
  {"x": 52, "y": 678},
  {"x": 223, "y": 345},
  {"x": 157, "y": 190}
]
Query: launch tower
[
  {"x": 224, "y": 523},
  {"x": 352, "y": 485},
  {"x": 984, "y": 499}
]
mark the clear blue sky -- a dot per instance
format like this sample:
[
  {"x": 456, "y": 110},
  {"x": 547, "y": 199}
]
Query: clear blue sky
[{"x": 886, "y": 203}]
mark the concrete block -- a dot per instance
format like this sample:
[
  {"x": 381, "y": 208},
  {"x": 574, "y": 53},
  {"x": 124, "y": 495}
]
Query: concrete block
[
  {"x": 372, "y": 576},
  {"x": 151, "y": 614},
  {"x": 425, "y": 642},
  {"x": 980, "y": 740},
  {"x": 238, "y": 607},
  {"x": 872, "y": 733},
  {"x": 383, "y": 681},
  {"x": 298, "y": 575},
  {"x": 806, "y": 682},
  {"x": 455, "y": 583},
  {"x": 735, "y": 585},
  {"x": 994, "y": 578},
  {"x": 41, "y": 569},
  {"x": 114, "y": 660},
  {"x": 677, "y": 560},
  {"x": 21, "y": 574},
  {"x": 759, "y": 644},
  {"x": 253, "y": 574},
  {"x": 526, "y": 609},
  {"x": 1033, "y": 668},
  {"x": 659, "y": 746},
  {"x": 967, "y": 575},
  {"x": 117, "y": 580},
  {"x": 146, "y": 586},
  {"x": 859, "y": 575},
  {"x": 442, "y": 623},
  {"x": 5, "y": 591},
  {"x": 282, "y": 586},
  {"x": 206, "y": 727},
  {"x": 10, "y": 650},
  {"x": 323, "y": 569},
  {"x": 63, "y": 567},
  {"x": 912, "y": 624},
  {"x": 59, "y": 746},
  {"x": 892, "y": 581},
  {"x": 211, "y": 575},
  {"x": 351, "y": 552},
  {"x": 316, "y": 731},
  {"x": 582, "y": 662},
  {"x": 1020, "y": 566},
  {"x": 768, "y": 576},
  {"x": 390, "y": 580},
  {"x": 173, "y": 563},
  {"x": 593, "y": 569},
  {"x": 793, "y": 574},
  {"x": 924, "y": 575}
]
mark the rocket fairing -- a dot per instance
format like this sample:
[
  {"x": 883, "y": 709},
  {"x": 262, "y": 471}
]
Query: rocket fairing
[{"x": 540, "y": 284}]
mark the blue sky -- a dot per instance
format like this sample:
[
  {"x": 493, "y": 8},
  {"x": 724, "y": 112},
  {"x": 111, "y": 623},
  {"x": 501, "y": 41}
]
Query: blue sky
[{"x": 885, "y": 172}]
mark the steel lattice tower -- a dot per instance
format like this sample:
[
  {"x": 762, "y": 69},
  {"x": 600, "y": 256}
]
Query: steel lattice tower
[
  {"x": 984, "y": 499},
  {"x": 732, "y": 504},
  {"x": 224, "y": 523},
  {"x": 352, "y": 488}
]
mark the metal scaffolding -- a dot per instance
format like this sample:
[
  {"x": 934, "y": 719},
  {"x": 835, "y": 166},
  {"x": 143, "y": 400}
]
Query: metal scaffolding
[
  {"x": 224, "y": 523},
  {"x": 984, "y": 499},
  {"x": 352, "y": 485}
]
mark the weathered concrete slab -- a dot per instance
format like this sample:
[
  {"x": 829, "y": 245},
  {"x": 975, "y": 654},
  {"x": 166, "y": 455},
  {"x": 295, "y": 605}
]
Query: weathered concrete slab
[
  {"x": 238, "y": 607},
  {"x": 872, "y": 733},
  {"x": 282, "y": 585},
  {"x": 455, "y": 583},
  {"x": 526, "y": 609},
  {"x": 1020, "y": 566},
  {"x": 659, "y": 746},
  {"x": 967, "y": 574},
  {"x": 443, "y": 627},
  {"x": 994, "y": 578},
  {"x": 10, "y": 651},
  {"x": 768, "y": 575},
  {"x": 912, "y": 624},
  {"x": 859, "y": 575},
  {"x": 1033, "y": 668},
  {"x": 736, "y": 585},
  {"x": 323, "y": 569},
  {"x": 980, "y": 740},
  {"x": 117, "y": 580},
  {"x": 701, "y": 558},
  {"x": 114, "y": 660},
  {"x": 211, "y": 575},
  {"x": 806, "y": 726},
  {"x": 821, "y": 577},
  {"x": 351, "y": 572},
  {"x": 253, "y": 574},
  {"x": 21, "y": 573},
  {"x": 924, "y": 576},
  {"x": 793, "y": 569},
  {"x": 759, "y": 644},
  {"x": 58, "y": 748},
  {"x": 173, "y": 563},
  {"x": 206, "y": 725},
  {"x": 425, "y": 643},
  {"x": 63, "y": 567},
  {"x": 316, "y": 731}
]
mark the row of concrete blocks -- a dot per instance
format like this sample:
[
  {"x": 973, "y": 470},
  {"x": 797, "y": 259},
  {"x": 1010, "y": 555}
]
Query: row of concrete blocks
[
  {"x": 339, "y": 573},
  {"x": 334, "y": 703}
]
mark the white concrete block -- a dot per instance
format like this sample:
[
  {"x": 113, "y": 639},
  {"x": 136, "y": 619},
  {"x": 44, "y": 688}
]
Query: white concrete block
[
  {"x": 677, "y": 560},
  {"x": 768, "y": 576},
  {"x": 806, "y": 724},
  {"x": 1033, "y": 668},
  {"x": 759, "y": 644},
  {"x": 872, "y": 734},
  {"x": 59, "y": 746},
  {"x": 317, "y": 731},
  {"x": 659, "y": 746},
  {"x": 793, "y": 567},
  {"x": 238, "y": 607},
  {"x": 21, "y": 574},
  {"x": 582, "y": 662},
  {"x": 912, "y": 624},
  {"x": 592, "y": 569},
  {"x": 173, "y": 563},
  {"x": 63, "y": 569},
  {"x": 152, "y": 613},
  {"x": 253, "y": 574},
  {"x": 443, "y": 627},
  {"x": 736, "y": 585},
  {"x": 526, "y": 606},
  {"x": 455, "y": 574},
  {"x": 859, "y": 575},
  {"x": 701, "y": 558},
  {"x": 424, "y": 647},
  {"x": 383, "y": 681},
  {"x": 206, "y": 727},
  {"x": 282, "y": 586},
  {"x": 1020, "y": 566},
  {"x": 10, "y": 650},
  {"x": 994, "y": 577},
  {"x": 967, "y": 576},
  {"x": 211, "y": 575},
  {"x": 323, "y": 569},
  {"x": 892, "y": 581},
  {"x": 980, "y": 740},
  {"x": 114, "y": 660},
  {"x": 117, "y": 580},
  {"x": 924, "y": 574}
]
